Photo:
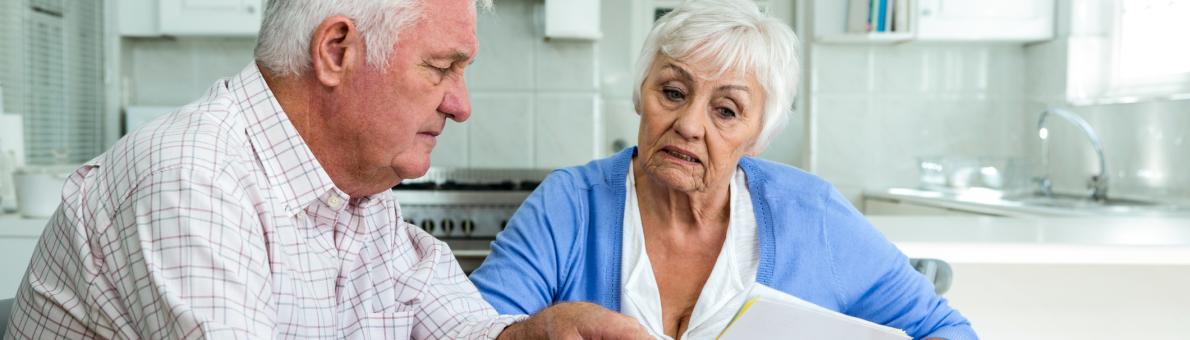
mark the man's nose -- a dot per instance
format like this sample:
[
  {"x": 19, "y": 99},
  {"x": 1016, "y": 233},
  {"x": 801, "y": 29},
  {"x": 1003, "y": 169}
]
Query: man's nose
[{"x": 455, "y": 102}]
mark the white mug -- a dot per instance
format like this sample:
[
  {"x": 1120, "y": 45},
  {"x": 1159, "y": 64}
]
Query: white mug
[{"x": 39, "y": 190}]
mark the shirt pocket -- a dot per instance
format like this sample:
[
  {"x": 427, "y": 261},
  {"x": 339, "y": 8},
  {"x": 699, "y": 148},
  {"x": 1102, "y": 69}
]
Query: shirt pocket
[{"x": 386, "y": 325}]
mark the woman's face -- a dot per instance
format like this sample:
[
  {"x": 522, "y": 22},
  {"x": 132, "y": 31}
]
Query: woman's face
[{"x": 694, "y": 128}]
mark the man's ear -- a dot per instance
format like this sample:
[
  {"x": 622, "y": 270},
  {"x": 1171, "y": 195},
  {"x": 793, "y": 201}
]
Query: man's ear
[{"x": 336, "y": 48}]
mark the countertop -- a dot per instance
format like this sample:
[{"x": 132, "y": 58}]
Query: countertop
[
  {"x": 1047, "y": 240},
  {"x": 15, "y": 226},
  {"x": 970, "y": 239},
  {"x": 988, "y": 202}
]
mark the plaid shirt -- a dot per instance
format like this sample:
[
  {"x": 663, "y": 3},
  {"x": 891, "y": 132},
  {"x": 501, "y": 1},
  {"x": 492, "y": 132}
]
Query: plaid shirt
[{"x": 217, "y": 222}]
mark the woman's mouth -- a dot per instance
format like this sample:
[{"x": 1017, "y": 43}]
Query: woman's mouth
[{"x": 681, "y": 155}]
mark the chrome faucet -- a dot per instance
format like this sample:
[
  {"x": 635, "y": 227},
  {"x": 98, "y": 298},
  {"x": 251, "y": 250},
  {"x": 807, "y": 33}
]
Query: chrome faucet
[{"x": 1097, "y": 183}]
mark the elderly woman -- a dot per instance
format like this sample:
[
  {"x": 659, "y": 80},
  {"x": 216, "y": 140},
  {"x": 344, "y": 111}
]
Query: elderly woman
[{"x": 678, "y": 231}]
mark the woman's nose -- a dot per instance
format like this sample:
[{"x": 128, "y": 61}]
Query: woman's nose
[
  {"x": 689, "y": 122},
  {"x": 455, "y": 102}
]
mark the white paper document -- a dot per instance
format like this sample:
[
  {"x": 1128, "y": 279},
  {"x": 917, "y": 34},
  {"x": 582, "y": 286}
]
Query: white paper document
[{"x": 772, "y": 314}]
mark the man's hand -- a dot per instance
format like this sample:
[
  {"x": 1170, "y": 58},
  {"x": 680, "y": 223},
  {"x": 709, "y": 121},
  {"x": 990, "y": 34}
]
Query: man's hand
[{"x": 576, "y": 320}]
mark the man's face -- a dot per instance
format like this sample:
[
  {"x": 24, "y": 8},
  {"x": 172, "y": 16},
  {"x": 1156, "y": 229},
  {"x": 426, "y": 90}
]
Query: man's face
[{"x": 398, "y": 114}]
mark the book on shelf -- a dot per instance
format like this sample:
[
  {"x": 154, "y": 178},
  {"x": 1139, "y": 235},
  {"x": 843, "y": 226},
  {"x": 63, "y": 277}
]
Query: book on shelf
[
  {"x": 882, "y": 17},
  {"x": 901, "y": 16},
  {"x": 772, "y": 314},
  {"x": 877, "y": 16},
  {"x": 857, "y": 16}
]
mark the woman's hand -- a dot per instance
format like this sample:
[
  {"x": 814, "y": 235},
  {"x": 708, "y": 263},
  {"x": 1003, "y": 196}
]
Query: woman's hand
[{"x": 576, "y": 320}]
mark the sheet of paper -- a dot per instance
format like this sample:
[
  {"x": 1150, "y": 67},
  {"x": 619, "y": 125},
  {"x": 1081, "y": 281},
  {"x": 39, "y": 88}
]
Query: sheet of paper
[{"x": 772, "y": 314}]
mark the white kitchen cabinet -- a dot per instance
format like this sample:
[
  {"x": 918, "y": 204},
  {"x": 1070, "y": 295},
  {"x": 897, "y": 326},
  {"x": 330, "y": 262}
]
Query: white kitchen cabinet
[
  {"x": 982, "y": 20},
  {"x": 18, "y": 238},
  {"x": 572, "y": 19},
  {"x": 210, "y": 17},
  {"x": 137, "y": 18},
  {"x": 945, "y": 20}
]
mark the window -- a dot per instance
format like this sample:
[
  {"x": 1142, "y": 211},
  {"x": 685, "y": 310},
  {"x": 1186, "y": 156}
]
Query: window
[
  {"x": 1151, "y": 55},
  {"x": 53, "y": 76},
  {"x": 1146, "y": 54}
]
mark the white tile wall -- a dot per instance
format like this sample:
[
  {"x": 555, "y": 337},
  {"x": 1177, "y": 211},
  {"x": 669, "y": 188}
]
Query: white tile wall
[
  {"x": 880, "y": 108},
  {"x": 451, "y": 150},
  {"x": 1147, "y": 146},
  {"x": 537, "y": 103},
  {"x": 565, "y": 129},
  {"x": 620, "y": 123},
  {"x": 173, "y": 72},
  {"x": 507, "y": 45},
  {"x": 501, "y": 131},
  {"x": 566, "y": 66}
]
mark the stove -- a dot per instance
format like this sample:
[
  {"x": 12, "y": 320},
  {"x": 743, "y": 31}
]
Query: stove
[{"x": 466, "y": 208}]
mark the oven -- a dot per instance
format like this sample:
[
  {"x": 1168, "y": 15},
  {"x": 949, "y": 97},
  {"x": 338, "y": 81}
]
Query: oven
[{"x": 466, "y": 207}]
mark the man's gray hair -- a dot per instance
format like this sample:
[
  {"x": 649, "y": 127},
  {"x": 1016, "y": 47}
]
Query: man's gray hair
[
  {"x": 284, "y": 44},
  {"x": 734, "y": 35}
]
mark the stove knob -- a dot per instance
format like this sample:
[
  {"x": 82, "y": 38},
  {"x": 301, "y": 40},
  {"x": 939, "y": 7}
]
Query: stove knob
[
  {"x": 448, "y": 226},
  {"x": 468, "y": 227},
  {"x": 427, "y": 225},
  {"x": 410, "y": 221},
  {"x": 503, "y": 223}
]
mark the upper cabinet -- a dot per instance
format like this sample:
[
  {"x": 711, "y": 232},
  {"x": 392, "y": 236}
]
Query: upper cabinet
[
  {"x": 572, "y": 19},
  {"x": 894, "y": 21},
  {"x": 982, "y": 20},
  {"x": 210, "y": 17},
  {"x": 190, "y": 17}
]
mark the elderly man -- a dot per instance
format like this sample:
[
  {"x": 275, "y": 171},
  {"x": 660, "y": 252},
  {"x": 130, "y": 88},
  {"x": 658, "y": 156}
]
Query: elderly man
[{"x": 262, "y": 210}]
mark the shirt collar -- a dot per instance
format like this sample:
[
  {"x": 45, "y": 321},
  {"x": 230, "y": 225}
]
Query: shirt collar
[{"x": 287, "y": 160}]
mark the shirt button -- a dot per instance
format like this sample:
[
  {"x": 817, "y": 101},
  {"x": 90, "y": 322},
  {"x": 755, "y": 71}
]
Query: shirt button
[{"x": 335, "y": 202}]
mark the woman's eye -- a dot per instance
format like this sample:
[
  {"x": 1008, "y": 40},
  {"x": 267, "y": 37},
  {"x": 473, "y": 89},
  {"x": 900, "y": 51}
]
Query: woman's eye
[
  {"x": 725, "y": 112},
  {"x": 672, "y": 94}
]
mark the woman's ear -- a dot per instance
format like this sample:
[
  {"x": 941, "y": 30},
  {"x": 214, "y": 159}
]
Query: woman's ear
[{"x": 336, "y": 49}]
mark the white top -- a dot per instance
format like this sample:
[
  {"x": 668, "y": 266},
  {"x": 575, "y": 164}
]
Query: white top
[{"x": 726, "y": 289}]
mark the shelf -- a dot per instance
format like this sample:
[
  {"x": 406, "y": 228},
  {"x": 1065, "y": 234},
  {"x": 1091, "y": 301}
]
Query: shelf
[{"x": 866, "y": 38}]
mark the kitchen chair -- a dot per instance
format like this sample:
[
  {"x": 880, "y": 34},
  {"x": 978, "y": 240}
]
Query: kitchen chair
[
  {"x": 935, "y": 270},
  {"x": 5, "y": 308}
]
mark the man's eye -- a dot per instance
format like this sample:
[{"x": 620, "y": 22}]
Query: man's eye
[{"x": 673, "y": 94}]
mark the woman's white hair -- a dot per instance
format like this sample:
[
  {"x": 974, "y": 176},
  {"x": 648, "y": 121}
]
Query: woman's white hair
[
  {"x": 734, "y": 35},
  {"x": 283, "y": 47}
]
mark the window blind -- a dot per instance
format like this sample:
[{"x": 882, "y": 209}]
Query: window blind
[{"x": 56, "y": 79}]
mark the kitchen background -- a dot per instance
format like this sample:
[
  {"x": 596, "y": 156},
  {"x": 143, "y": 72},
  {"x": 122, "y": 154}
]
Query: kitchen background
[{"x": 931, "y": 128}]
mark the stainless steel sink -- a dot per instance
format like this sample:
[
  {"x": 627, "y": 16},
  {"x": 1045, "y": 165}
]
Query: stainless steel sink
[
  {"x": 1085, "y": 203},
  {"x": 995, "y": 203}
]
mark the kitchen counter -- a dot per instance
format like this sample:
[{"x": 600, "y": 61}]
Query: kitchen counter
[
  {"x": 13, "y": 225},
  {"x": 977, "y": 239},
  {"x": 988, "y": 202},
  {"x": 960, "y": 239},
  {"x": 1059, "y": 278},
  {"x": 1014, "y": 278}
]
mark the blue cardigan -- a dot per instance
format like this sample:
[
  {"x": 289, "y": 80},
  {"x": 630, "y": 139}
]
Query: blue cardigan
[{"x": 563, "y": 244}]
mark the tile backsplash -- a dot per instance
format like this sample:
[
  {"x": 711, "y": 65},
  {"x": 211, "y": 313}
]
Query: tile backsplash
[
  {"x": 1147, "y": 147},
  {"x": 879, "y": 108}
]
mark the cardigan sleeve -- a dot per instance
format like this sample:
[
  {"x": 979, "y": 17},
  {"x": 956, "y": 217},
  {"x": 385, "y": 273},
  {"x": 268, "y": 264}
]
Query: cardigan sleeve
[
  {"x": 531, "y": 258},
  {"x": 876, "y": 282}
]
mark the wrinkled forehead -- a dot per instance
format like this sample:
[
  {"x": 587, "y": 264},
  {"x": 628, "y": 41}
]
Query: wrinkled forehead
[
  {"x": 705, "y": 69},
  {"x": 452, "y": 18}
]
